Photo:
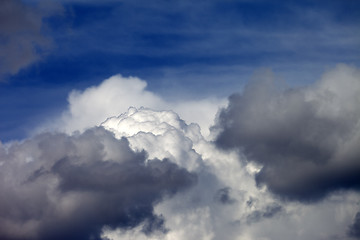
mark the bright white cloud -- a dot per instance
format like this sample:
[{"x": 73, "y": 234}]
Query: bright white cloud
[{"x": 116, "y": 94}]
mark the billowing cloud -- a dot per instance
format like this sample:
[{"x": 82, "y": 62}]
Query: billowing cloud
[
  {"x": 148, "y": 174},
  {"x": 306, "y": 139},
  {"x": 21, "y": 31},
  {"x": 56, "y": 186},
  {"x": 225, "y": 203},
  {"x": 210, "y": 209},
  {"x": 116, "y": 94}
]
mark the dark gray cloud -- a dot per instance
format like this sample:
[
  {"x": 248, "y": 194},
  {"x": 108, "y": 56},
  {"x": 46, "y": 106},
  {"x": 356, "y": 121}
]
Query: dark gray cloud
[
  {"x": 56, "y": 186},
  {"x": 354, "y": 229},
  {"x": 22, "y": 38},
  {"x": 306, "y": 139}
]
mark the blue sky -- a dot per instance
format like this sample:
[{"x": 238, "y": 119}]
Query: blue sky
[{"x": 180, "y": 48}]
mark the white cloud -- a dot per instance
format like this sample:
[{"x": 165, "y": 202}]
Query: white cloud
[{"x": 116, "y": 94}]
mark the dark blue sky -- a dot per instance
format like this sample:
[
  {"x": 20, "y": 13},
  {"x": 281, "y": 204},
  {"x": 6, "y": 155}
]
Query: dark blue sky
[{"x": 181, "y": 48}]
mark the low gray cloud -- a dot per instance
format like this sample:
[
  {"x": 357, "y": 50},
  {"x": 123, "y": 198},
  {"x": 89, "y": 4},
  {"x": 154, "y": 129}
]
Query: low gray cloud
[
  {"x": 306, "y": 139},
  {"x": 354, "y": 229},
  {"x": 56, "y": 186},
  {"x": 22, "y": 38}
]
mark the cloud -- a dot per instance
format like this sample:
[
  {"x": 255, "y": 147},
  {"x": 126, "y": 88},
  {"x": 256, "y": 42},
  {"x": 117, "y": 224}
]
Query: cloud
[
  {"x": 56, "y": 186},
  {"x": 223, "y": 196},
  {"x": 306, "y": 139},
  {"x": 200, "y": 212},
  {"x": 113, "y": 96},
  {"x": 109, "y": 182},
  {"x": 149, "y": 173},
  {"x": 225, "y": 203},
  {"x": 354, "y": 230},
  {"x": 160, "y": 133},
  {"x": 269, "y": 212},
  {"x": 23, "y": 41},
  {"x": 116, "y": 94}
]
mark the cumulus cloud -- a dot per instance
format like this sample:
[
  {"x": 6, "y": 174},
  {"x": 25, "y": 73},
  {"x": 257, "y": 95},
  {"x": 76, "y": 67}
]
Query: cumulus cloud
[
  {"x": 151, "y": 174},
  {"x": 147, "y": 174},
  {"x": 56, "y": 186},
  {"x": 305, "y": 139},
  {"x": 21, "y": 31},
  {"x": 116, "y": 94},
  {"x": 225, "y": 203},
  {"x": 202, "y": 212}
]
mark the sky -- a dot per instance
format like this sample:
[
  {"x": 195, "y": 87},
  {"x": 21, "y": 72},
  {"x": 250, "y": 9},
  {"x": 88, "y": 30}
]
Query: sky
[{"x": 218, "y": 119}]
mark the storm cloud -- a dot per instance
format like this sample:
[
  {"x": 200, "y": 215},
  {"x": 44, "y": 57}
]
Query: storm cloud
[
  {"x": 56, "y": 186},
  {"x": 305, "y": 139}
]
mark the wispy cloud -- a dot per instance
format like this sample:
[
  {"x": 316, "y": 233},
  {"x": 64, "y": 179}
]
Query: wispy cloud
[{"x": 22, "y": 33}]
